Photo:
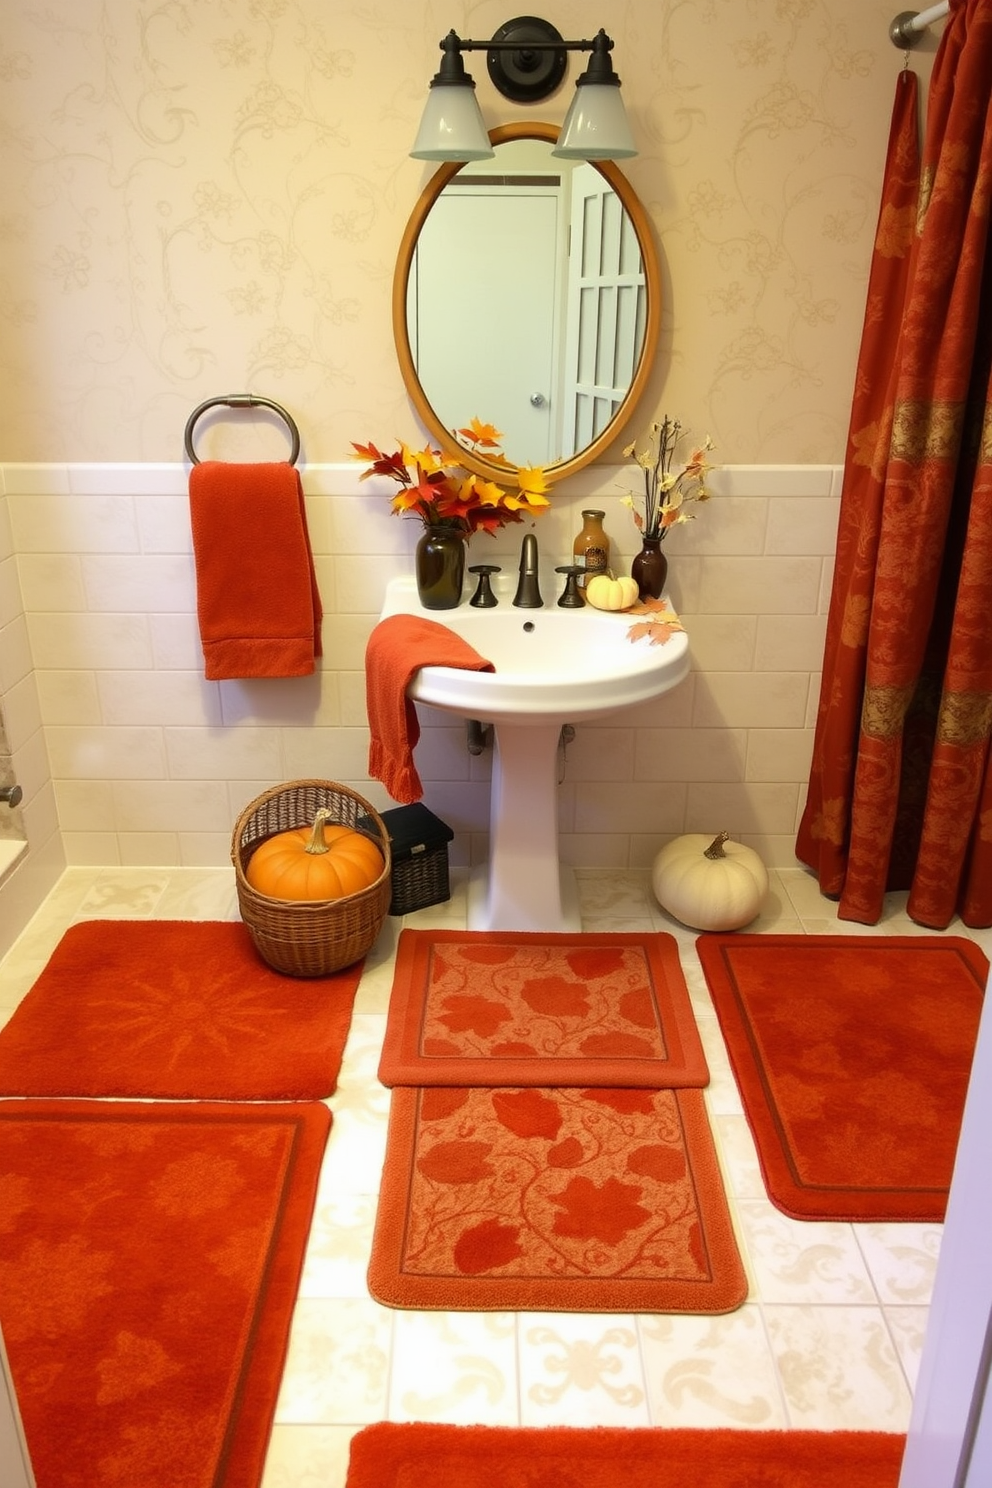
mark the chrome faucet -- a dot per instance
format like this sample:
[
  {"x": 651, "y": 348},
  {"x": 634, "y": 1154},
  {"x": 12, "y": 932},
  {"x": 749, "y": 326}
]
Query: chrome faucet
[{"x": 528, "y": 595}]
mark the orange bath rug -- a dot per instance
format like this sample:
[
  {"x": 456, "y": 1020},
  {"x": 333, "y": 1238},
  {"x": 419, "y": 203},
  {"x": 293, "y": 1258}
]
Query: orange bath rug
[
  {"x": 421, "y": 1455},
  {"x": 507, "y": 1008},
  {"x": 149, "y": 1265},
  {"x": 852, "y": 1054},
  {"x": 177, "y": 1009},
  {"x": 535, "y": 1200}
]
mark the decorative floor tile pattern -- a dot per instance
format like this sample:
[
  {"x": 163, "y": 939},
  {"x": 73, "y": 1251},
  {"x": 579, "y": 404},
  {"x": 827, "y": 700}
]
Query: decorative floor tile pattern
[
  {"x": 839, "y": 1368},
  {"x": 829, "y": 1338},
  {"x": 712, "y": 1372},
  {"x": 473, "y": 1368},
  {"x": 578, "y": 1368}
]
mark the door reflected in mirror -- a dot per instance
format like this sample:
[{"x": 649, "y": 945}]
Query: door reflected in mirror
[
  {"x": 526, "y": 295},
  {"x": 537, "y": 264}
]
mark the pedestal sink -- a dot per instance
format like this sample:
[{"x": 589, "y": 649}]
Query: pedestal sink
[{"x": 553, "y": 666}]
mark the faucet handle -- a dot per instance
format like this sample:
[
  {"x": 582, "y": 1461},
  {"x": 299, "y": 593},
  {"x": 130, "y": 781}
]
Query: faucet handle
[
  {"x": 571, "y": 598},
  {"x": 484, "y": 598}
]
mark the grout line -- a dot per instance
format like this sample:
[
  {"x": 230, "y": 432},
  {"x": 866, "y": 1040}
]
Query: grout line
[{"x": 783, "y": 1397}]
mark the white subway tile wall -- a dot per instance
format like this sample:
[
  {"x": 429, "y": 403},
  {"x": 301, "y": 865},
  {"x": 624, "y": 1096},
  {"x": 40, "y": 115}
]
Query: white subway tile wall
[
  {"x": 129, "y": 757},
  {"x": 26, "y": 879}
]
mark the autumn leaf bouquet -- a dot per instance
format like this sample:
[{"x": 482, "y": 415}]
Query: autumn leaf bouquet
[
  {"x": 435, "y": 487},
  {"x": 668, "y": 491}
]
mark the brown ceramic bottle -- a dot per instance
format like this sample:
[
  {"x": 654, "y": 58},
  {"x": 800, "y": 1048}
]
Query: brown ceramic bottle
[{"x": 591, "y": 549}]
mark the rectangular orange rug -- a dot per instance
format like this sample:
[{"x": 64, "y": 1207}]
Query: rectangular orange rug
[
  {"x": 178, "y": 1010},
  {"x": 852, "y": 1054},
  {"x": 421, "y": 1455},
  {"x": 507, "y": 1008},
  {"x": 539, "y": 1200},
  {"x": 149, "y": 1264}
]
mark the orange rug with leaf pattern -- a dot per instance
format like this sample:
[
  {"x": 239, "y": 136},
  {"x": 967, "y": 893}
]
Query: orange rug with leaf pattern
[
  {"x": 175, "y": 1010},
  {"x": 527, "y": 1199},
  {"x": 852, "y": 1054},
  {"x": 391, "y": 1455},
  {"x": 149, "y": 1264},
  {"x": 508, "y": 1008}
]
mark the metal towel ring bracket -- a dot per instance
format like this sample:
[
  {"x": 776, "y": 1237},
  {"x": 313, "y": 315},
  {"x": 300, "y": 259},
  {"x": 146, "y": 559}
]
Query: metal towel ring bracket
[{"x": 241, "y": 400}]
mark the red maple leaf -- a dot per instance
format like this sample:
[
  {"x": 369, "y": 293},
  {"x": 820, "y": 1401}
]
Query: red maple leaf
[
  {"x": 527, "y": 1113},
  {"x": 555, "y": 997},
  {"x": 382, "y": 464},
  {"x": 567, "y": 1154},
  {"x": 473, "y": 1015},
  {"x": 665, "y": 1164},
  {"x": 486, "y": 1247},
  {"x": 440, "y": 1101},
  {"x": 597, "y": 961},
  {"x": 599, "y": 1211},
  {"x": 456, "y": 1162}
]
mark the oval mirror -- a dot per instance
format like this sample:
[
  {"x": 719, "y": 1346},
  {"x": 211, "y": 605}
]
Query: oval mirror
[{"x": 527, "y": 294}]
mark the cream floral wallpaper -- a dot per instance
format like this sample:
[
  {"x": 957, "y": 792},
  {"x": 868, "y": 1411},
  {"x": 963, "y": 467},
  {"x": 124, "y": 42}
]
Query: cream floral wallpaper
[{"x": 205, "y": 196}]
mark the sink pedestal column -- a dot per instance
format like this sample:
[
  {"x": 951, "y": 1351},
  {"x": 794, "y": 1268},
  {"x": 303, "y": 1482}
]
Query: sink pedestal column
[{"x": 524, "y": 887}]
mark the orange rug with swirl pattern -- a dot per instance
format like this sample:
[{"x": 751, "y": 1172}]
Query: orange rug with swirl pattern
[
  {"x": 419, "y": 1455},
  {"x": 852, "y": 1054},
  {"x": 543, "y": 1200},
  {"x": 175, "y": 1010},
  {"x": 519, "y": 1008},
  {"x": 150, "y": 1257}
]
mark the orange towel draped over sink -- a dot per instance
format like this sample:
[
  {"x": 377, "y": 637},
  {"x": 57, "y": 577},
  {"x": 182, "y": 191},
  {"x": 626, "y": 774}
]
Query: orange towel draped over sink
[
  {"x": 398, "y": 647},
  {"x": 257, "y": 601}
]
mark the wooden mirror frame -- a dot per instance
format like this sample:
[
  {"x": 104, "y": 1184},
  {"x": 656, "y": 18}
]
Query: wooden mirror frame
[{"x": 652, "y": 328}]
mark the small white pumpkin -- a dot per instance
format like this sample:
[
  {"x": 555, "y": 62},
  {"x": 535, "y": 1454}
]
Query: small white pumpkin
[
  {"x": 604, "y": 592},
  {"x": 709, "y": 883}
]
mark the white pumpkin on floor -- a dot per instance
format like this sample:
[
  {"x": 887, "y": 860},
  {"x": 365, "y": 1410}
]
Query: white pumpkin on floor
[{"x": 709, "y": 883}]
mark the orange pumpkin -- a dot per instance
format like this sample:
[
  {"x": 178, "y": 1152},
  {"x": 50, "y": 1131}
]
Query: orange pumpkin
[{"x": 319, "y": 862}]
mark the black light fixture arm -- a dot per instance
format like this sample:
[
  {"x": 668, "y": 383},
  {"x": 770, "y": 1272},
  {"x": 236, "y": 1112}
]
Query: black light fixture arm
[
  {"x": 600, "y": 40},
  {"x": 526, "y": 59}
]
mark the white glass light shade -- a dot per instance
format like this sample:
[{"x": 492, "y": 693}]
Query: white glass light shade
[
  {"x": 596, "y": 126},
  {"x": 452, "y": 127}
]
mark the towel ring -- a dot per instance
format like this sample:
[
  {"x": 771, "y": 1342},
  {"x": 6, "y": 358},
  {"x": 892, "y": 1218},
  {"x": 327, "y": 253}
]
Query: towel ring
[{"x": 241, "y": 400}]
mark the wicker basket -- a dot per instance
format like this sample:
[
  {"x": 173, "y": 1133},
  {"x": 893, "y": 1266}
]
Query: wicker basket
[{"x": 308, "y": 938}]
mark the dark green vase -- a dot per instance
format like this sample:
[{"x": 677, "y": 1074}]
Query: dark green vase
[{"x": 440, "y": 567}]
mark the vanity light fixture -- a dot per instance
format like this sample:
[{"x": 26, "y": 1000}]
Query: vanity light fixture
[{"x": 526, "y": 61}]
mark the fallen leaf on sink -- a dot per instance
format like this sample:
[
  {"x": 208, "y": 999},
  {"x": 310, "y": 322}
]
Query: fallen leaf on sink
[{"x": 659, "y": 626}]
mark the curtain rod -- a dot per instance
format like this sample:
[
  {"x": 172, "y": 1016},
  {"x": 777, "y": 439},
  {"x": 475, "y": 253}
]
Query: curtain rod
[{"x": 909, "y": 25}]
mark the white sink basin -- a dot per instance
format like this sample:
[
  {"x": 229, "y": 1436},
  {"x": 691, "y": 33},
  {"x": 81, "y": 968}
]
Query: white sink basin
[
  {"x": 553, "y": 666},
  {"x": 550, "y": 663}
]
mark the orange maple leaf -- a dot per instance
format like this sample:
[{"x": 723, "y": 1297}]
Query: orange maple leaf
[{"x": 661, "y": 625}]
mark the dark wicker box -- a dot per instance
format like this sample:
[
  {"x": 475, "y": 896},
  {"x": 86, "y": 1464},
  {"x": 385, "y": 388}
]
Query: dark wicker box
[{"x": 419, "y": 843}]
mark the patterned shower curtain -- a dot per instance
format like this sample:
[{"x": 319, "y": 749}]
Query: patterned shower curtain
[{"x": 900, "y": 791}]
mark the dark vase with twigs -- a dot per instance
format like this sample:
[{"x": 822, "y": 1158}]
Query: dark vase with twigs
[
  {"x": 666, "y": 495},
  {"x": 649, "y": 569}
]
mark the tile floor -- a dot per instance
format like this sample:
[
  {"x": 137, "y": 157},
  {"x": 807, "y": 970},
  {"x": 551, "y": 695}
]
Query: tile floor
[{"x": 830, "y": 1334}]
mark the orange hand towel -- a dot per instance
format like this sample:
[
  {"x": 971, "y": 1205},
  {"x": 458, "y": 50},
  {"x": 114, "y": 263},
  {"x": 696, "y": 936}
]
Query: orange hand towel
[
  {"x": 398, "y": 647},
  {"x": 256, "y": 591}
]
